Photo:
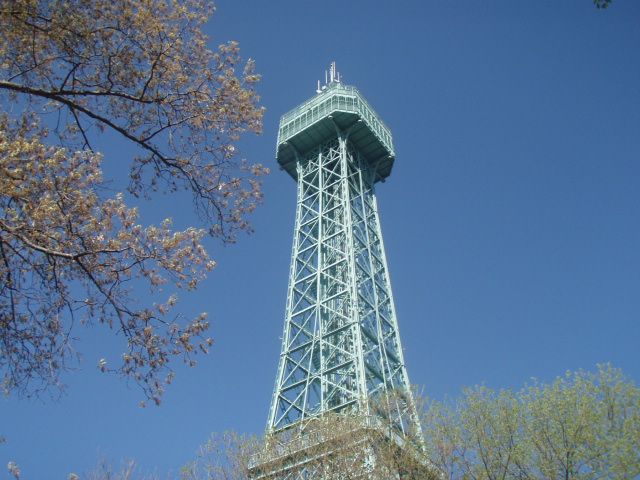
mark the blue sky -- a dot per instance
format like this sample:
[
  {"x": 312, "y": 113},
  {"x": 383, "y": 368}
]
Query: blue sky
[{"x": 511, "y": 219}]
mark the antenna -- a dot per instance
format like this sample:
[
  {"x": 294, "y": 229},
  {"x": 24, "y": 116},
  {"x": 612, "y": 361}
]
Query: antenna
[
  {"x": 330, "y": 76},
  {"x": 335, "y": 75}
]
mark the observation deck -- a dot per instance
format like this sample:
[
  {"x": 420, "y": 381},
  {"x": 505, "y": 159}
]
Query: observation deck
[{"x": 337, "y": 108}]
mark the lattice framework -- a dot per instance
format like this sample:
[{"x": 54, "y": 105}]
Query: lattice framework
[{"x": 340, "y": 344}]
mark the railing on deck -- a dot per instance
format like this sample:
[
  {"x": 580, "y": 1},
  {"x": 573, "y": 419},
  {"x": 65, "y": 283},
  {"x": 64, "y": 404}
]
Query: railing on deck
[{"x": 335, "y": 97}]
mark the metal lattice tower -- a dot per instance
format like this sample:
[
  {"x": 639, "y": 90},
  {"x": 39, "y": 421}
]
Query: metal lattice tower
[
  {"x": 341, "y": 342},
  {"x": 341, "y": 346}
]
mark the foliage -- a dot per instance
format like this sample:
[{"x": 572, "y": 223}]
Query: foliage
[
  {"x": 584, "y": 426},
  {"x": 581, "y": 426},
  {"x": 601, "y": 3},
  {"x": 14, "y": 470},
  {"x": 70, "y": 251},
  {"x": 225, "y": 456},
  {"x": 106, "y": 470},
  {"x": 334, "y": 446}
]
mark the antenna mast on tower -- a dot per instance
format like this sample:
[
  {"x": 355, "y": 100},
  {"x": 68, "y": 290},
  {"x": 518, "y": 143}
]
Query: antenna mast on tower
[{"x": 330, "y": 76}]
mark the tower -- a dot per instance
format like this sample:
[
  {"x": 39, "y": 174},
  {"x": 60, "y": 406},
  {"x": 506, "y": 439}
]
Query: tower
[{"x": 341, "y": 349}]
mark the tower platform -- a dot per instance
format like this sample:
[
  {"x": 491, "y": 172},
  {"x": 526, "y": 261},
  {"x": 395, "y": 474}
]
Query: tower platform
[{"x": 315, "y": 121}]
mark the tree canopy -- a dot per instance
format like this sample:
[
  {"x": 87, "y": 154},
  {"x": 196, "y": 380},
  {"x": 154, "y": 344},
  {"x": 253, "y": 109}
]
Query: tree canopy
[
  {"x": 71, "y": 249},
  {"x": 580, "y": 426}
]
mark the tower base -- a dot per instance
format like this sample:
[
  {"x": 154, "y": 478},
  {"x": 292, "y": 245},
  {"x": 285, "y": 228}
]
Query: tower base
[{"x": 337, "y": 446}]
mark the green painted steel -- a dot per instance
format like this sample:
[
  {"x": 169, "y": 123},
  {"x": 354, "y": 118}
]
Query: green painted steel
[
  {"x": 341, "y": 345},
  {"x": 315, "y": 121}
]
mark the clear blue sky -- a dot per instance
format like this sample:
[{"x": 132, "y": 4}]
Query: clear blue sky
[{"x": 511, "y": 219}]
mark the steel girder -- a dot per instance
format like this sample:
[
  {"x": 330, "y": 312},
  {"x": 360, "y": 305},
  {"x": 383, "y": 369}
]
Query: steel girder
[{"x": 341, "y": 344}]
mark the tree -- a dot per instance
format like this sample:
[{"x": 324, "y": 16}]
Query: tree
[
  {"x": 71, "y": 251},
  {"x": 582, "y": 426},
  {"x": 335, "y": 445},
  {"x": 107, "y": 470},
  {"x": 601, "y": 3}
]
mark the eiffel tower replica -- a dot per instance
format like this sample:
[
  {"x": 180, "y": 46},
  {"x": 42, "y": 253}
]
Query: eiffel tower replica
[{"x": 342, "y": 387}]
